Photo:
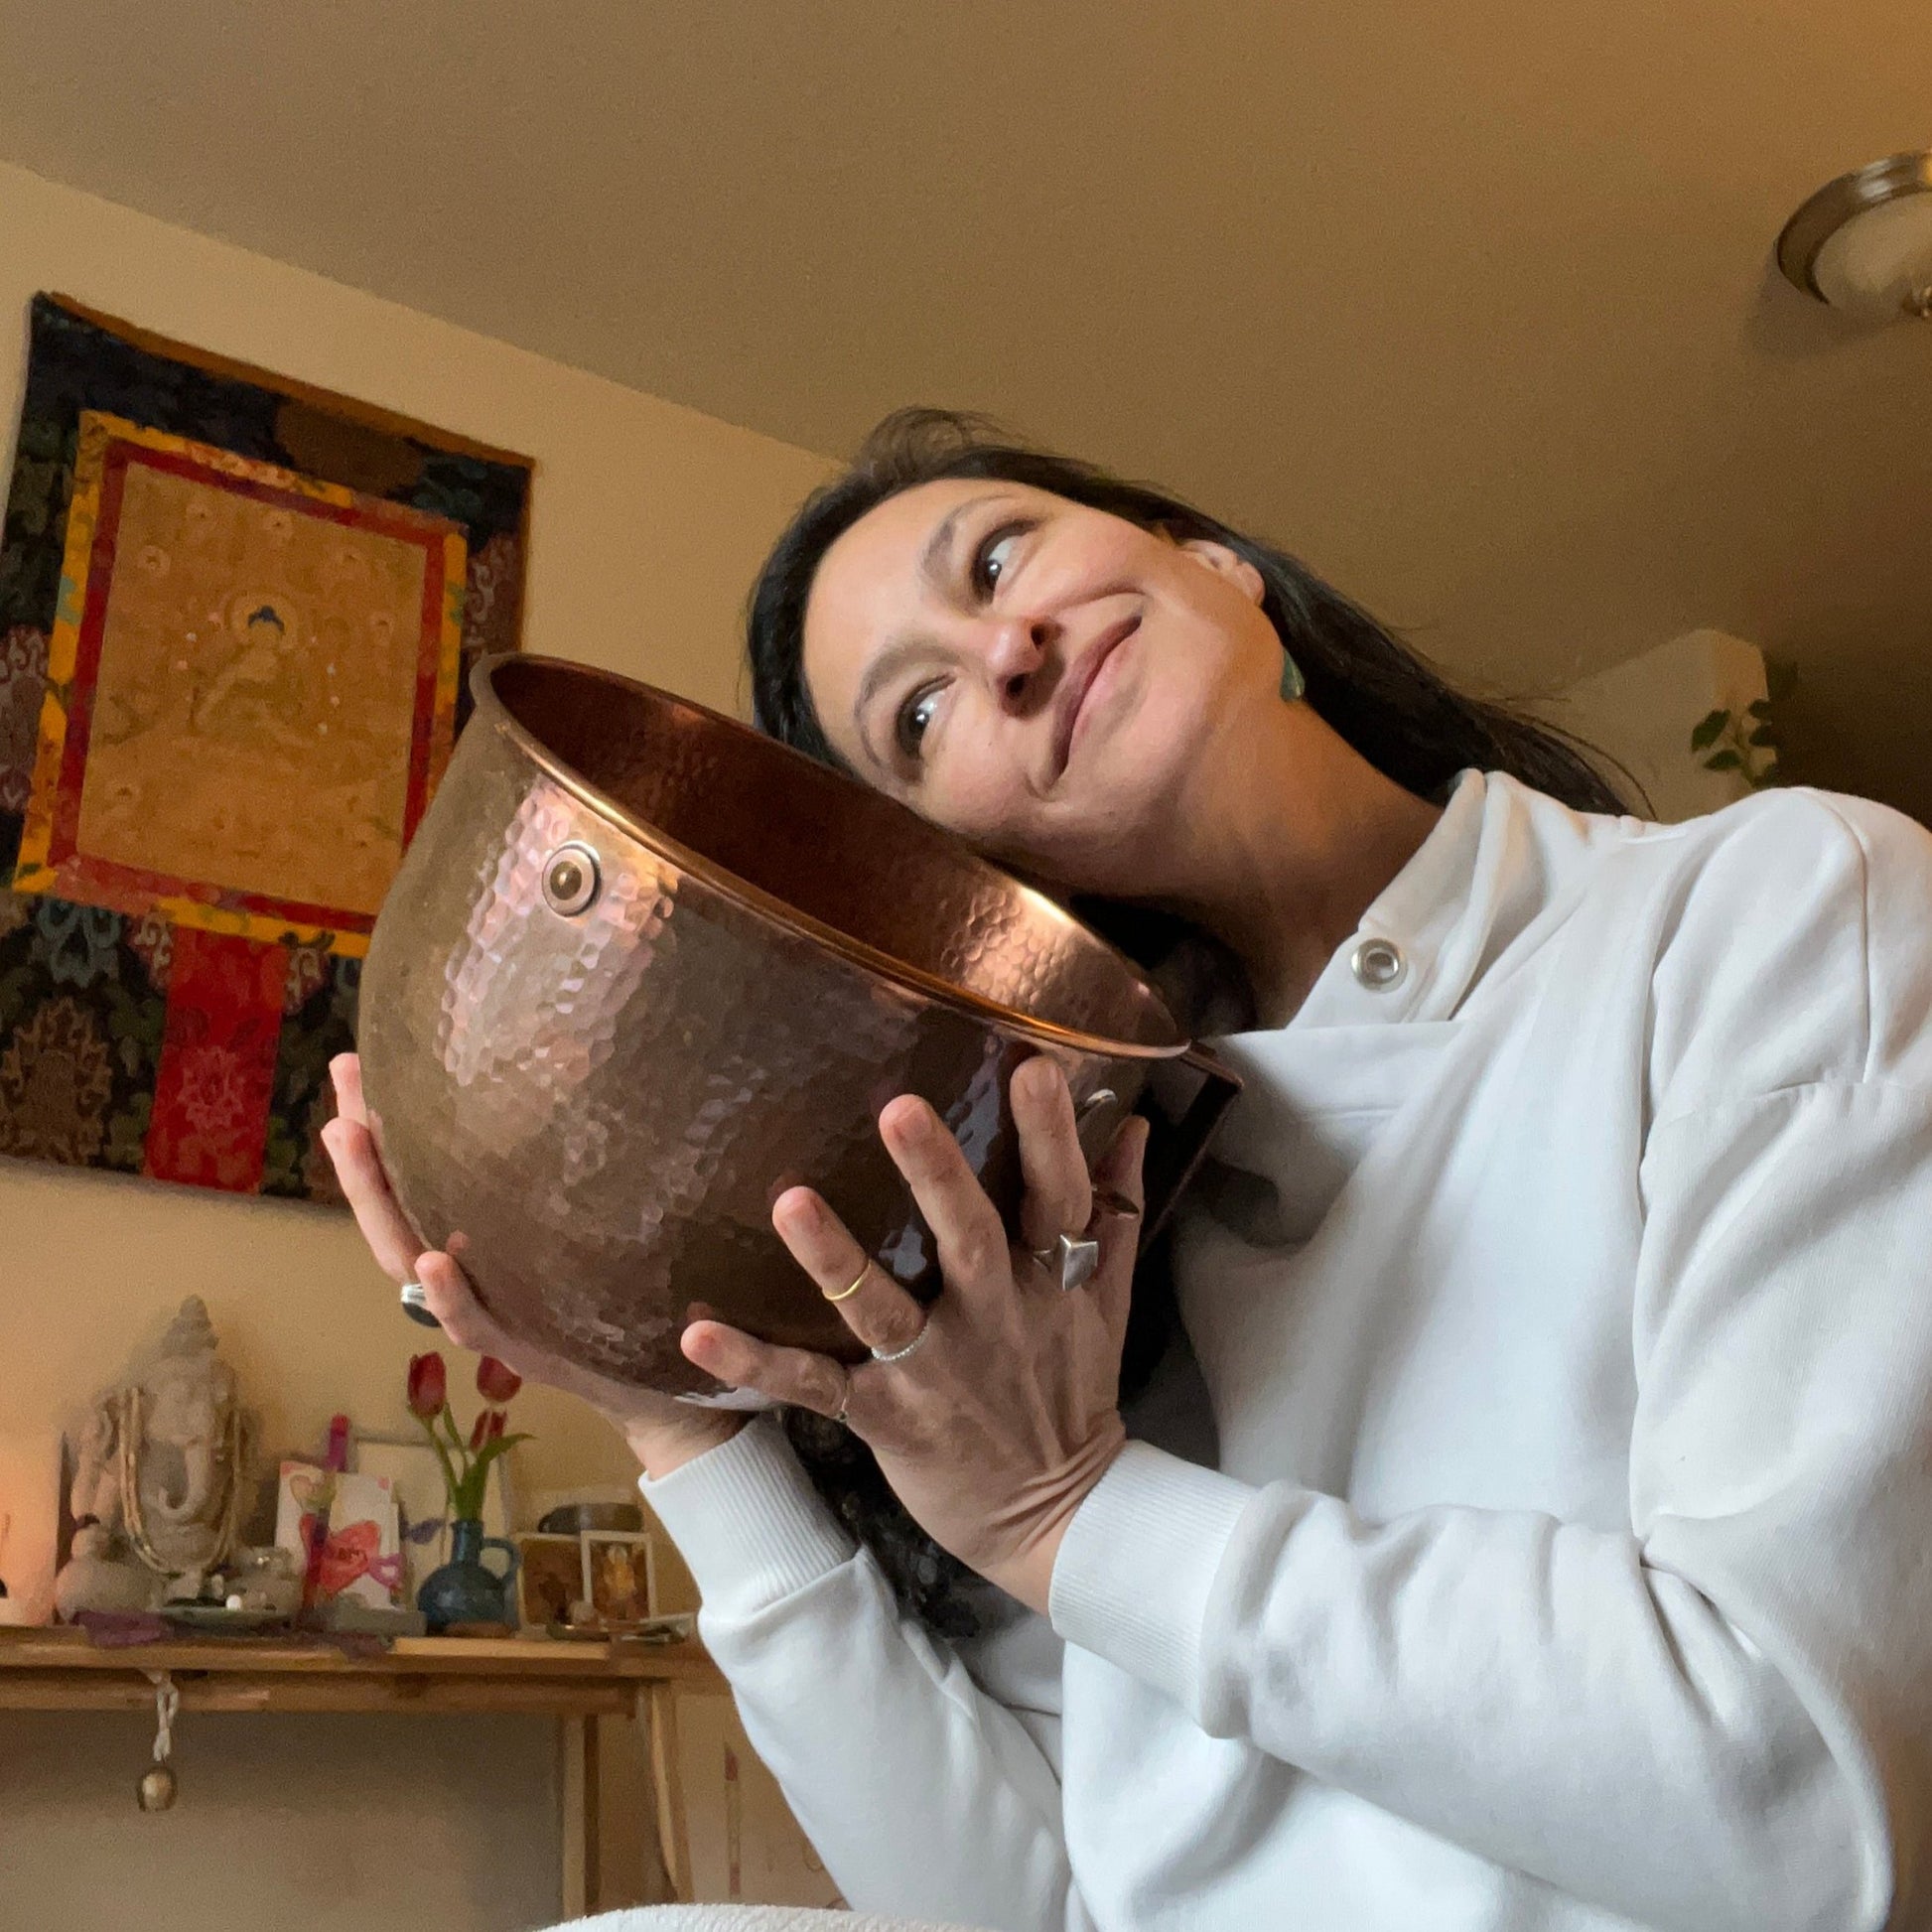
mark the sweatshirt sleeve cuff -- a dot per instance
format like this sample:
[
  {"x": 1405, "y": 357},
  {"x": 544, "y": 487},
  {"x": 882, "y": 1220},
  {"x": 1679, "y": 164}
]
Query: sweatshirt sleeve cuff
[
  {"x": 1137, "y": 1566},
  {"x": 748, "y": 1522}
]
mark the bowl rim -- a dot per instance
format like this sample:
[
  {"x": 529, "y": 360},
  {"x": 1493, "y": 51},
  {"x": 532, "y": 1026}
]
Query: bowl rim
[{"x": 767, "y": 907}]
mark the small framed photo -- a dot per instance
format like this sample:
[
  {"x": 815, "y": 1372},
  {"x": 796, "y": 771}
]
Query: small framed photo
[
  {"x": 621, "y": 1570},
  {"x": 550, "y": 1580}
]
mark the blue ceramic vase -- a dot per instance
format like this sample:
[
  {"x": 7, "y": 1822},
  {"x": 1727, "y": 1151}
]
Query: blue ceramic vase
[{"x": 466, "y": 1589}]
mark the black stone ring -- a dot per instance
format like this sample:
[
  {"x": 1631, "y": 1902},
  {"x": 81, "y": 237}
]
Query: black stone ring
[{"x": 415, "y": 1305}]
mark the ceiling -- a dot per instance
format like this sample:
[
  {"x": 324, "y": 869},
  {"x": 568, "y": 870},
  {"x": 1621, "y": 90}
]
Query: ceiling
[{"x": 1469, "y": 303}]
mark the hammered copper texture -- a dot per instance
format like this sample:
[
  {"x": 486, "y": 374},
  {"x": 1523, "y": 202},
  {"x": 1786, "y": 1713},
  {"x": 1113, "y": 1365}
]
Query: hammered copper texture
[{"x": 597, "y": 1111}]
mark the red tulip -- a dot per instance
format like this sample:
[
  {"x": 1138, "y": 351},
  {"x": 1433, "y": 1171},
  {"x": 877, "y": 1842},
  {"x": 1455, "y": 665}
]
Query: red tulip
[
  {"x": 480, "y": 1429},
  {"x": 496, "y": 1421},
  {"x": 429, "y": 1384},
  {"x": 495, "y": 1382}
]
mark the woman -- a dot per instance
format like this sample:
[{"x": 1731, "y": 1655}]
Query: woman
[{"x": 1523, "y": 1524}]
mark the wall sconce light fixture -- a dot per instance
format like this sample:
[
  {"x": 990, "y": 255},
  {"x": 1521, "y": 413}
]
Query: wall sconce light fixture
[{"x": 1864, "y": 242}]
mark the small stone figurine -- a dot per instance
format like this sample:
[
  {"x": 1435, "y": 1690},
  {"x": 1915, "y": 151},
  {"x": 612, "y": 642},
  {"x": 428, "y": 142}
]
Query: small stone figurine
[{"x": 160, "y": 1488}]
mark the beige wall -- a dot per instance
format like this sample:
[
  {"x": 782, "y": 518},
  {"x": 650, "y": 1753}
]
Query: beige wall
[
  {"x": 1643, "y": 711},
  {"x": 648, "y": 521}
]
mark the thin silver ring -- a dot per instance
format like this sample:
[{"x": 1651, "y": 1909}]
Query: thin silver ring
[{"x": 911, "y": 1348}]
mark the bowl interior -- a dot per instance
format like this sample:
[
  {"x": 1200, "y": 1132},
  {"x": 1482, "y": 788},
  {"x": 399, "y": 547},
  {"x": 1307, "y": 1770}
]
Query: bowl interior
[{"x": 826, "y": 846}]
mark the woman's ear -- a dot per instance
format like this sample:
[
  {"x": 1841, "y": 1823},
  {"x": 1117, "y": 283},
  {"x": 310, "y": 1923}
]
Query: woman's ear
[{"x": 1227, "y": 563}]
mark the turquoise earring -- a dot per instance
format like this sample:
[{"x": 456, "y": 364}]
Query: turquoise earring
[{"x": 1293, "y": 682}]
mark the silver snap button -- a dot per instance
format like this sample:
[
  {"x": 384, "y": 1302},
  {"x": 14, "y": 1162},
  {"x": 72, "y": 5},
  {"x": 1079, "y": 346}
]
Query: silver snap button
[
  {"x": 570, "y": 879},
  {"x": 1379, "y": 965}
]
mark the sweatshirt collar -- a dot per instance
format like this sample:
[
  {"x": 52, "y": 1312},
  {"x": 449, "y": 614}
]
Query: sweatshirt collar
[{"x": 1425, "y": 937}]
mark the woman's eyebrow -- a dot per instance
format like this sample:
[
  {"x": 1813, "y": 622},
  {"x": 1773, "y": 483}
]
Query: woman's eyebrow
[{"x": 938, "y": 554}]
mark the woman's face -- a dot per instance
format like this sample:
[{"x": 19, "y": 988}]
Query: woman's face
[{"x": 1049, "y": 681}]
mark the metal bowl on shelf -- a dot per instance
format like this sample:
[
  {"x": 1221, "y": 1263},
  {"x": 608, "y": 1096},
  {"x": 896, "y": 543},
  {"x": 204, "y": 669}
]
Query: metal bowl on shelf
[{"x": 644, "y": 968}]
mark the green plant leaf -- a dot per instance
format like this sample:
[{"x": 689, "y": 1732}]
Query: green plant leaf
[
  {"x": 1724, "y": 761},
  {"x": 1706, "y": 732},
  {"x": 497, "y": 1445},
  {"x": 1759, "y": 707},
  {"x": 449, "y": 1478},
  {"x": 1764, "y": 735},
  {"x": 467, "y": 1490}
]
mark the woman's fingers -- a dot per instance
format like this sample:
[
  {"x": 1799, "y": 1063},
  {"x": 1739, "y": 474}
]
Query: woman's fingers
[
  {"x": 346, "y": 1072},
  {"x": 453, "y": 1301},
  {"x": 974, "y": 1253},
  {"x": 1059, "y": 1198},
  {"x": 1118, "y": 1184},
  {"x": 874, "y": 1305},
  {"x": 791, "y": 1375},
  {"x": 385, "y": 1227},
  {"x": 351, "y": 1147},
  {"x": 471, "y": 1326},
  {"x": 1120, "y": 1199}
]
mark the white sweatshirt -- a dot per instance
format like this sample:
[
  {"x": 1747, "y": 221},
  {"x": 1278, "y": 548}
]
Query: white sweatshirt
[{"x": 1565, "y": 1559}]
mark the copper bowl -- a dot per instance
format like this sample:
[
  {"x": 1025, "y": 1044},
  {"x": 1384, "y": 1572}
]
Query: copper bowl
[{"x": 644, "y": 968}]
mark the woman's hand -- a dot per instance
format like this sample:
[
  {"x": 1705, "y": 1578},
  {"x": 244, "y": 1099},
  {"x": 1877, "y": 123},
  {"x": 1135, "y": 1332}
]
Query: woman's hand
[
  {"x": 995, "y": 1430},
  {"x": 662, "y": 1433}
]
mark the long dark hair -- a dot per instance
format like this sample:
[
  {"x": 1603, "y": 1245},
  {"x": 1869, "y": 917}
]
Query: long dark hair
[{"x": 1373, "y": 691}]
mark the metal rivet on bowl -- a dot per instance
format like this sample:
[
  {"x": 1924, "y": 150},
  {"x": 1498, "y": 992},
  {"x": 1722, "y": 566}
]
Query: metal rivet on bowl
[
  {"x": 1100, "y": 1098},
  {"x": 570, "y": 879}
]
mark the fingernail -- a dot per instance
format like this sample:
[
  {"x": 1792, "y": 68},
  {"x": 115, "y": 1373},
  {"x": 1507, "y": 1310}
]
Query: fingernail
[{"x": 799, "y": 1211}]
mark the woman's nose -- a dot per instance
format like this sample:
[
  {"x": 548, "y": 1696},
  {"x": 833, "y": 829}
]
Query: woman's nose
[{"x": 1022, "y": 649}]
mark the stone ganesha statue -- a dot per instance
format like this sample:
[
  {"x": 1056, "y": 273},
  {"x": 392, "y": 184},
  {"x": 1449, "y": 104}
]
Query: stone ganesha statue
[{"x": 159, "y": 1491}]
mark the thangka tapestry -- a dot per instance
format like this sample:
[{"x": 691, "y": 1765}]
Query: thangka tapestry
[{"x": 235, "y": 619}]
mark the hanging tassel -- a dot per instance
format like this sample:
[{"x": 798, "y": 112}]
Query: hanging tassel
[{"x": 156, "y": 1790}]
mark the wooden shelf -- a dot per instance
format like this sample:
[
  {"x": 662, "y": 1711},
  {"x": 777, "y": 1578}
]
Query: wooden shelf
[
  {"x": 64, "y": 1670},
  {"x": 575, "y": 1683}
]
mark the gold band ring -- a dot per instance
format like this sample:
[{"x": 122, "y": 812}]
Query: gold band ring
[{"x": 845, "y": 1293}]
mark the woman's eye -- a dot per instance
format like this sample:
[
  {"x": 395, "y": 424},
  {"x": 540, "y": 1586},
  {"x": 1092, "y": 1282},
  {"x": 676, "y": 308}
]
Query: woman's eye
[
  {"x": 915, "y": 719},
  {"x": 992, "y": 557}
]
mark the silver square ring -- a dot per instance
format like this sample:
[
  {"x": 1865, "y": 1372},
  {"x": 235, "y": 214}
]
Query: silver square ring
[{"x": 1071, "y": 1260}]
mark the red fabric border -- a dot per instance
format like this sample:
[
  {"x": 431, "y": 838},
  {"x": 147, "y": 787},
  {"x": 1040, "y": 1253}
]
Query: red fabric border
[{"x": 216, "y": 1077}]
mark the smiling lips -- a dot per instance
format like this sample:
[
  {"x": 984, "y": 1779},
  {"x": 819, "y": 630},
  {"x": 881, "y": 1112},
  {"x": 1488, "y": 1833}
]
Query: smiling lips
[{"x": 1079, "y": 681}]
